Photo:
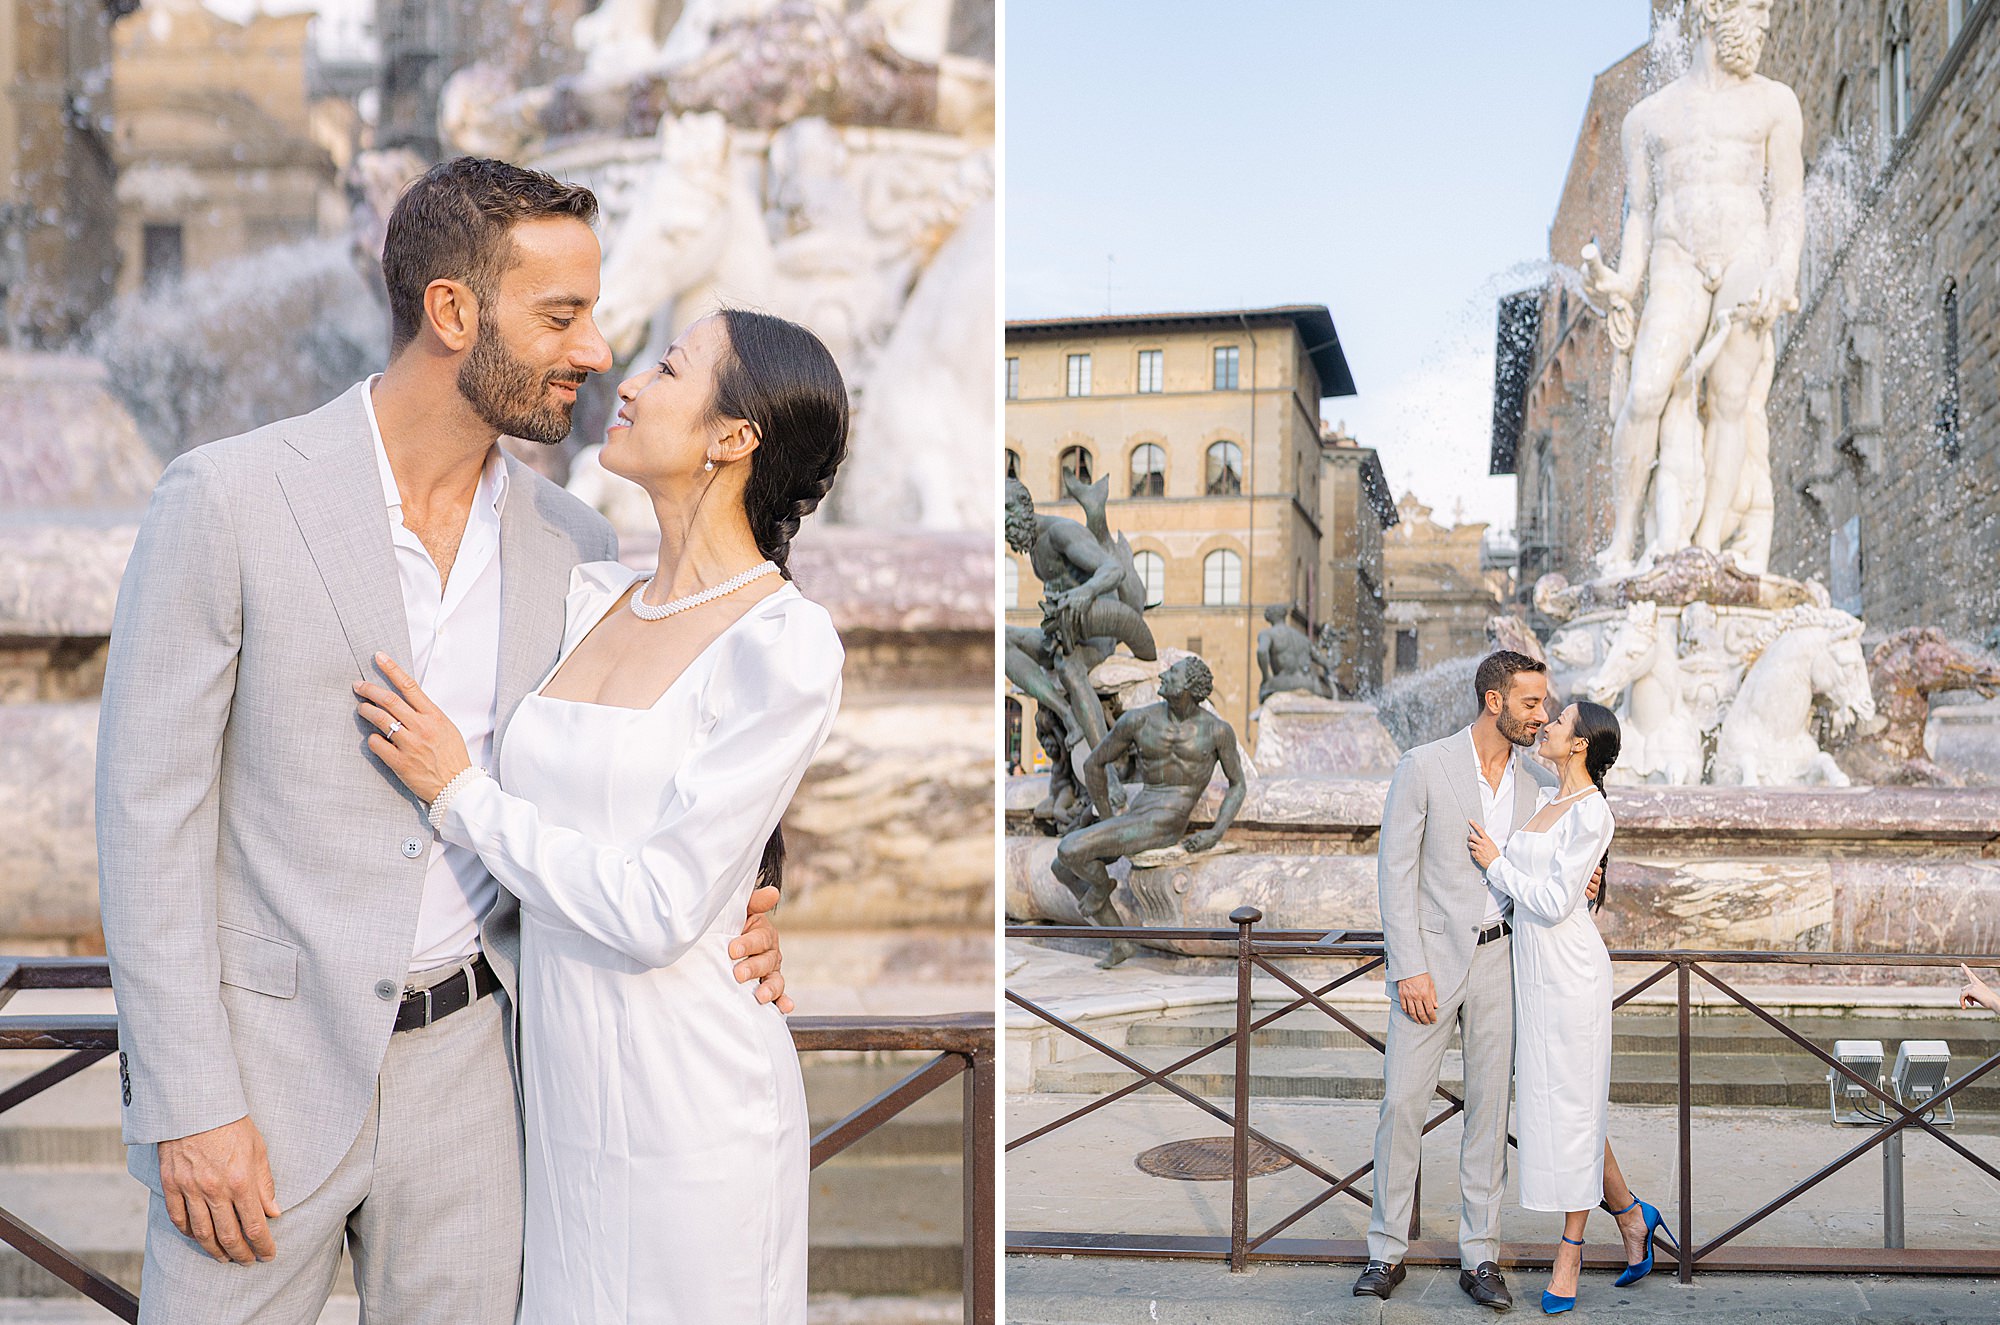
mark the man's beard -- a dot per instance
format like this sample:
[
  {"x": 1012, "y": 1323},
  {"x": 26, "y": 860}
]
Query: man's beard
[
  {"x": 510, "y": 397},
  {"x": 1738, "y": 43},
  {"x": 1515, "y": 730}
]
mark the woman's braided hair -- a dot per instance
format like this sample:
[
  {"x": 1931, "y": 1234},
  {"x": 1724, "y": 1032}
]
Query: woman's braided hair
[
  {"x": 781, "y": 378},
  {"x": 1597, "y": 727}
]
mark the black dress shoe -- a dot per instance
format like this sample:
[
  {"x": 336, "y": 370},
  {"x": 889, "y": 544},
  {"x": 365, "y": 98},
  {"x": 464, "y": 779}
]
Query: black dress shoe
[
  {"x": 1379, "y": 1279},
  {"x": 1485, "y": 1286}
]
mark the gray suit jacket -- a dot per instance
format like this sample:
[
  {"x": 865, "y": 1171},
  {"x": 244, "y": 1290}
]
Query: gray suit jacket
[
  {"x": 259, "y": 870},
  {"x": 1432, "y": 895}
]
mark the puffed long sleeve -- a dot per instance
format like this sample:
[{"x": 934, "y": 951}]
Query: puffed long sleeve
[
  {"x": 1552, "y": 893},
  {"x": 770, "y": 705}
]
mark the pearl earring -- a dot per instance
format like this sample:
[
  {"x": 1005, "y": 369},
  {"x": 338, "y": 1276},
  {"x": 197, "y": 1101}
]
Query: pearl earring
[{"x": 709, "y": 465}]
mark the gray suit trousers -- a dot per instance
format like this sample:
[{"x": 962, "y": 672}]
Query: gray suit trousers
[
  {"x": 1482, "y": 1007},
  {"x": 428, "y": 1198}
]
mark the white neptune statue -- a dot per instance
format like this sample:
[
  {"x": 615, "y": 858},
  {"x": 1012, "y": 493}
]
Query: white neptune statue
[{"x": 1709, "y": 257}]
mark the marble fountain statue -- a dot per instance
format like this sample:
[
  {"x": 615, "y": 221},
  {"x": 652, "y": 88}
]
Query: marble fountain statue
[
  {"x": 1777, "y": 789},
  {"x": 830, "y": 163}
]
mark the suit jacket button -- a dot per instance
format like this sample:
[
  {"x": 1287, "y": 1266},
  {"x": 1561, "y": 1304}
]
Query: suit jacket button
[
  {"x": 413, "y": 847},
  {"x": 385, "y": 989}
]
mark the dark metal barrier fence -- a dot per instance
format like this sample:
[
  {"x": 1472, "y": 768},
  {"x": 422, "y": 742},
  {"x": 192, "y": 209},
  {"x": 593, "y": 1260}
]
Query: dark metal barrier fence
[
  {"x": 1255, "y": 952},
  {"x": 963, "y": 1045}
]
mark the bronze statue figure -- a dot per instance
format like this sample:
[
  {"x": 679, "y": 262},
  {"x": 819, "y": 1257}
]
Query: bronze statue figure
[
  {"x": 1094, "y": 600},
  {"x": 1287, "y": 658},
  {"x": 1174, "y": 747}
]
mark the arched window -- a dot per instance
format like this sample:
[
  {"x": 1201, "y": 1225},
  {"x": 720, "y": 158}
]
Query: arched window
[
  {"x": 1149, "y": 471},
  {"x": 1011, "y": 571},
  {"x": 1221, "y": 579},
  {"x": 1896, "y": 101},
  {"x": 1076, "y": 461},
  {"x": 1947, "y": 405},
  {"x": 1152, "y": 568},
  {"x": 1225, "y": 470},
  {"x": 1013, "y": 463}
]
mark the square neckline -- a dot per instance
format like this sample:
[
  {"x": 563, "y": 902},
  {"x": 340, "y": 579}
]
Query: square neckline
[
  {"x": 617, "y": 602},
  {"x": 1539, "y": 832}
]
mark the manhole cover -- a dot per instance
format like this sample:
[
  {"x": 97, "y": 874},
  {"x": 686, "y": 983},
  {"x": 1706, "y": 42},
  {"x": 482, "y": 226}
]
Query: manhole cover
[{"x": 1206, "y": 1159}]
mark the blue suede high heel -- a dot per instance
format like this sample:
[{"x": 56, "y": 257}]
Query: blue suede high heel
[
  {"x": 1638, "y": 1270},
  {"x": 1553, "y": 1305}
]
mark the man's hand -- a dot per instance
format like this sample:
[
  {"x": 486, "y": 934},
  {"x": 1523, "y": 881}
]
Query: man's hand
[
  {"x": 219, "y": 1191},
  {"x": 756, "y": 954},
  {"x": 1419, "y": 998},
  {"x": 1595, "y": 885}
]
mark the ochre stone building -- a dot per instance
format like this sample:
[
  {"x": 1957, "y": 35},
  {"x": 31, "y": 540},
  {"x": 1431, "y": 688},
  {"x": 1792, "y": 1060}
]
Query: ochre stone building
[
  {"x": 1440, "y": 590},
  {"x": 1885, "y": 409},
  {"x": 214, "y": 140},
  {"x": 1232, "y": 496}
]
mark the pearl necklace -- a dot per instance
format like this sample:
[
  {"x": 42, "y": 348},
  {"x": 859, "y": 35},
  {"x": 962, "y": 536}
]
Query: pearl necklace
[{"x": 647, "y": 612}]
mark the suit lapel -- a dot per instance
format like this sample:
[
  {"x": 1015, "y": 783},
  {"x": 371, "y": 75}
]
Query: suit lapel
[
  {"x": 535, "y": 562},
  {"x": 1527, "y": 788},
  {"x": 334, "y": 490},
  {"x": 1460, "y": 764}
]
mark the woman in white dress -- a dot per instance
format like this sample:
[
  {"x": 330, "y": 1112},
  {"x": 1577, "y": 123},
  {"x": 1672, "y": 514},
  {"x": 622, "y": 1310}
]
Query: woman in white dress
[
  {"x": 636, "y": 805},
  {"x": 1562, "y": 1000}
]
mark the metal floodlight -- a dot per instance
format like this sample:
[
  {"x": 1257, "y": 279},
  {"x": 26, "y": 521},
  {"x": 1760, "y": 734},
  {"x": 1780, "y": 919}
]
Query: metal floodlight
[
  {"x": 1921, "y": 1072},
  {"x": 1848, "y": 1101}
]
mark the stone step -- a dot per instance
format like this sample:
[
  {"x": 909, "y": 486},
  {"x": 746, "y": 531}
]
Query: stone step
[
  {"x": 866, "y": 1234},
  {"x": 1764, "y": 1079},
  {"x": 1633, "y": 1031}
]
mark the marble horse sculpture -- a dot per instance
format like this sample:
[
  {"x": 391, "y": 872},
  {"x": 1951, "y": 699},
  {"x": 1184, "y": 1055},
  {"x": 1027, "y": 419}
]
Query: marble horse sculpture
[
  {"x": 1640, "y": 676},
  {"x": 1808, "y": 655}
]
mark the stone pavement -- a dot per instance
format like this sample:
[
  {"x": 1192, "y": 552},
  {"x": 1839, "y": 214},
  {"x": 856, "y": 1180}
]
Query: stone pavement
[
  {"x": 1082, "y": 1178},
  {"x": 1098, "y": 1291}
]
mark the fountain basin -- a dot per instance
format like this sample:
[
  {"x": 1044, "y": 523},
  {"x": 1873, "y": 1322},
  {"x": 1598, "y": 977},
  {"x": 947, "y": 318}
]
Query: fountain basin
[{"x": 1853, "y": 869}]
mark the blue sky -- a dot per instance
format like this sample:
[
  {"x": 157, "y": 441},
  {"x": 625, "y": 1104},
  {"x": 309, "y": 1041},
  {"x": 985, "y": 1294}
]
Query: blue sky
[{"x": 1398, "y": 162}]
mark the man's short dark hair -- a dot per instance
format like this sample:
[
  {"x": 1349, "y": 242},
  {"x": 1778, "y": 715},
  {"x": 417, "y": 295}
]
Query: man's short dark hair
[
  {"x": 1497, "y": 672},
  {"x": 453, "y": 223}
]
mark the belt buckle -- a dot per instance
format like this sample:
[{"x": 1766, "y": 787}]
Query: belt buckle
[{"x": 429, "y": 1012}]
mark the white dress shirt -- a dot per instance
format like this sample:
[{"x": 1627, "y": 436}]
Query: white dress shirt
[
  {"x": 455, "y": 657},
  {"x": 1496, "y": 814}
]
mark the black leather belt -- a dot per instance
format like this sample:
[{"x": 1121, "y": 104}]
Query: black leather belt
[
  {"x": 1499, "y": 931},
  {"x": 421, "y": 1007}
]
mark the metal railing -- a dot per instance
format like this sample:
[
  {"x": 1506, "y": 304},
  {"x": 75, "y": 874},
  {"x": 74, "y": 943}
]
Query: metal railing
[
  {"x": 963, "y": 1045},
  {"x": 1255, "y": 952}
]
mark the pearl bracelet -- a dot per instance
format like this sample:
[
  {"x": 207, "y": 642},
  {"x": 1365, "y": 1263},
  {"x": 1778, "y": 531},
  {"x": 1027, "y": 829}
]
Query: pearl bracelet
[{"x": 443, "y": 802}]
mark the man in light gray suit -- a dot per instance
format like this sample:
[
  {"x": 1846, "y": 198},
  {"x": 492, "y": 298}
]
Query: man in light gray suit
[
  {"x": 313, "y": 991},
  {"x": 1446, "y": 934}
]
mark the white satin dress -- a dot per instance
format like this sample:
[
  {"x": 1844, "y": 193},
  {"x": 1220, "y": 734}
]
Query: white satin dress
[
  {"x": 1562, "y": 1005},
  {"x": 665, "y": 1116}
]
